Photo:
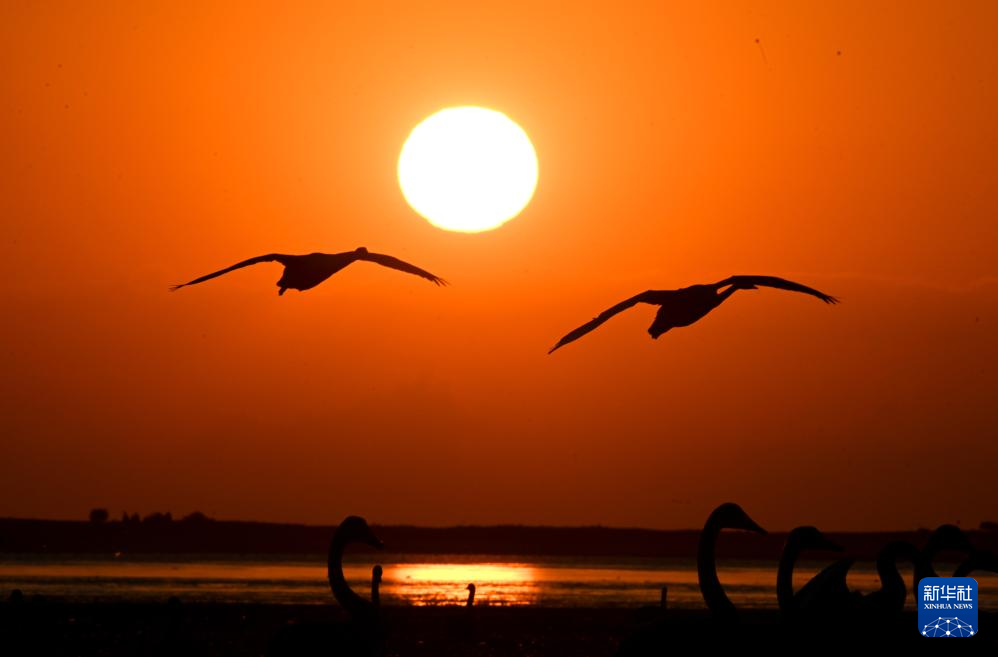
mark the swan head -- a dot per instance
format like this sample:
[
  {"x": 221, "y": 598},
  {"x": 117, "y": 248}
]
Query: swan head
[
  {"x": 731, "y": 516},
  {"x": 355, "y": 530},
  {"x": 470, "y": 587},
  {"x": 810, "y": 538},
  {"x": 948, "y": 537},
  {"x": 376, "y": 573},
  {"x": 360, "y": 250}
]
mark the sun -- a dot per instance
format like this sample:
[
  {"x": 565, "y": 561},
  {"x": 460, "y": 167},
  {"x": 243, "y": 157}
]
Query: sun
[{"x": 468, "y": 169}]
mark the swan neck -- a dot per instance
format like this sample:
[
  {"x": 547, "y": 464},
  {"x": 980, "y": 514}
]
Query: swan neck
[
  {"x": 710, "y": 586},
  {"x": 887, "y": 569},
  {"x": 923, "y": 568},
  {"x": 785, "y": 575},
  {"x": 353, "y": 603}
]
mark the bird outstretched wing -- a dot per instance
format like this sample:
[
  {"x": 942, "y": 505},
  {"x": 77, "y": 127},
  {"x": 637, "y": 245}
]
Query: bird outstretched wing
[
  {"x": 401, "y": 265},
  {"x": 270, "y": 257},
  {"x": 644, "y": 297},
  {"x": 780, "y": 283}
]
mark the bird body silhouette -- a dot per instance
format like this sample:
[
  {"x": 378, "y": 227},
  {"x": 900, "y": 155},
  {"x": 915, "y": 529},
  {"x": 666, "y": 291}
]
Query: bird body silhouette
[
  {"x": 888, "y": 601},
  {"x": 720, "y": 632},
  {"x": 818, "y": 594},
  {"x": 687, "y": 305},
  {"x": 303, "y": 272}
]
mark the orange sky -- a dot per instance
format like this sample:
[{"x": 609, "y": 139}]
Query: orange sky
[{"x": 857, "y": 151}]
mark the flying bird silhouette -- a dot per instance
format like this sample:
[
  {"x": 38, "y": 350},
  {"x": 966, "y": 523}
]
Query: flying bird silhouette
[
  {"x": 685, "y": 306},
  {"x": 303, "y": 272}
]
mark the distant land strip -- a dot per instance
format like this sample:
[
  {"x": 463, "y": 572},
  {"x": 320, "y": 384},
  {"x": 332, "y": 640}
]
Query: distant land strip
[{"x": 198, "y": 534}]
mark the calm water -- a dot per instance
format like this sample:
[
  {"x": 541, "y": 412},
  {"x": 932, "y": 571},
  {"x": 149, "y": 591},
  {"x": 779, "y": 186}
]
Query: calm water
[{"x": 428, "y": 580}]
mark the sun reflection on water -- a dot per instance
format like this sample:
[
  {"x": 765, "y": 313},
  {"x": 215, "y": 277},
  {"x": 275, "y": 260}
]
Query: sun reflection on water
[
  {"x": 553, "y": 582},
  {"x": 506, "y": 584}
]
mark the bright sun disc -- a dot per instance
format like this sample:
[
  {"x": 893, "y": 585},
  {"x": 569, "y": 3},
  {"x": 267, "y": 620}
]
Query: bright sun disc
[{"x": 468, "y": 169}]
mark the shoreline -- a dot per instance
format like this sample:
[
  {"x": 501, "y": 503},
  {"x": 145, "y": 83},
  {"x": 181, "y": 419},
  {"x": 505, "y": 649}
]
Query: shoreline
[{"x": 55, "y": 627}]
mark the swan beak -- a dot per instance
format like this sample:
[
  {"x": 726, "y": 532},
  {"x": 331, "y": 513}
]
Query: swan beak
[{"x": 753, "y": 526}]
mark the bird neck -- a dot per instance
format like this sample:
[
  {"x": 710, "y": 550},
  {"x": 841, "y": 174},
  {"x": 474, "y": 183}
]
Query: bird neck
[
  {"x": 923, "y": 568},
  {"x": 785, "y": 574},
  {"x": 355, "y": 605},
  {"x": 710, "y": 586},
  {"x": 891, "y": 582},
  {"x": 471, "y": 598},
  {"x": 943, "y": 539}
]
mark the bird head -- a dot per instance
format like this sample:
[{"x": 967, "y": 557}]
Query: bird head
[
  {"x": 356, "y": 530},
  {"x": 731, "y": 516},
  {"x": 811, "y": 538},
  {"x": 360, "y": 250},
  {"x": 376, "y": 573},
  {"x": 947, "y": 537}
]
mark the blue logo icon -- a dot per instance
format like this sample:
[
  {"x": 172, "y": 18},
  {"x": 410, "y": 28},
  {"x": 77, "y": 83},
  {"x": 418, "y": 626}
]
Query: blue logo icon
[{"x": 947, "y": 606}]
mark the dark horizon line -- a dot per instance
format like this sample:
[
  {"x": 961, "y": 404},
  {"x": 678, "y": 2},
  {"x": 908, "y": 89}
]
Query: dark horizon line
[
  {"x": 197, "y": 534},
  {"x": 985, "y": 525}
]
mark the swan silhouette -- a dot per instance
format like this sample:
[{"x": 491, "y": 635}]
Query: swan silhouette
[
  {"x": 944, "y": 538},
  {"x": 654, "y": 635},
  {"x": 376, "y": 574},
  {"x": 815, "y": 593},
  {"x": 303, "y": 272},
  {"x": 471, "y": 596},
  {"x": 363, "y": 634},
  {"x": 462, "y": 624},
  {"x": 685, "y": 306},
  {"x": 888, "y": 600},
  {"x": 726, "y": 516}
]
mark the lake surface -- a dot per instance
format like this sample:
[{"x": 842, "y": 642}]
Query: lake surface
[{"x": 422, "y": 580}]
